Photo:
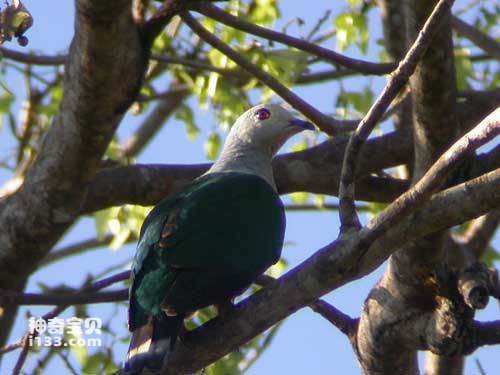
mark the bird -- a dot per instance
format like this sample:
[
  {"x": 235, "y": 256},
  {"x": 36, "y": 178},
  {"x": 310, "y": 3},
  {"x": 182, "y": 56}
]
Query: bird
[{"x": 208, "y": 243}]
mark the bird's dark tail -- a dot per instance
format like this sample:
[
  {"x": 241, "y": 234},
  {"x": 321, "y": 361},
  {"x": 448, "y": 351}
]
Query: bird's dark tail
[{"x": 151, "y": 343}]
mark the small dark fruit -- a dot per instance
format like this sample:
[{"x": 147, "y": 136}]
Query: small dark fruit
[{"x": 22, "y": 41}]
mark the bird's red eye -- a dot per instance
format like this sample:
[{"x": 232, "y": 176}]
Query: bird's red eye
[{"x": 263, "y": 114}]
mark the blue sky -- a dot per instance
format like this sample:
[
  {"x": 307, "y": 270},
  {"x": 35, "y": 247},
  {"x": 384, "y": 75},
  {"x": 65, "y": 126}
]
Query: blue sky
[{"x": 306, "y": 344}]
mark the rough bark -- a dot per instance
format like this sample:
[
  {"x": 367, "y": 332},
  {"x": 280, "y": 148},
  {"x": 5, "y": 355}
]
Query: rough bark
[
  {"x": 67, "y": 180},
  {"x": 107, "y": 46},
  {"x": 316, "y": 170},
  {"x": 407, "y": 291},
  {"x": 329, "y": 268}
]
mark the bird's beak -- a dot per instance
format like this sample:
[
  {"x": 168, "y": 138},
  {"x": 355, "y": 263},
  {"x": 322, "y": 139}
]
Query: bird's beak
[{"x": 301, "y": 124}]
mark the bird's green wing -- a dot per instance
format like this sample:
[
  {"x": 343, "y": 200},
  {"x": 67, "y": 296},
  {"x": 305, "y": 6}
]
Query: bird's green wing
[{"x": 219, "y": 233}]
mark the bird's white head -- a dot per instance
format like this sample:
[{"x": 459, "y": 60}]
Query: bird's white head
[
  {"x": 266, "y": 127},
  {"x": 255, "y": 138}
]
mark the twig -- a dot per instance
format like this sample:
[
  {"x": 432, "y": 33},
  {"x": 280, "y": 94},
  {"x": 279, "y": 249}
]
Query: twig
[
  {"x": 488, "y": 333},
  {"x": 480, "y": 233},
  {"x": 32, "y": 58},
  {"x": 155, "y": 25},
  {"x": 195, "y": 64},
  {"x": 78, "y": 298},
  {"x": 133, "y": 145},
  {"x": 324, "y": 75},
  {"x": 315, "y": 207},
  {"x": 68, "y": 364},
  {"x": 348, "y": 216},
  {"x": 487, "y": 129},
  {"x": 163, "y": 95},
  {"x": 343, "y": 322},
  {"x": 318, "y": 25},
  {"x": 23, "y": 342},
  {"x": 75, "y": 249},
  {"x": 328, "y": 125},
  {"x": 50, "y": 60},
  {"x": 361, "y": 66},
  {"x": 480, "y": 39}
]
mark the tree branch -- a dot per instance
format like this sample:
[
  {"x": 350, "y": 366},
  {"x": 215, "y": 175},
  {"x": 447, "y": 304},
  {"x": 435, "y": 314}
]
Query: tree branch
[
  {"x": 476, "y": 36},
  {"x": 343, "y": 322},
  {"x": 480, "y": 233},
  {"x": 153, "y": 122},
  {"x": 360, "y": 66},
  {"x": 106, "y": 47},
  {"x": 488, "y": 333},
  {"x": 327, "y": 124},
  {"x": 23, "y": 342},
  {"x": 76, "y": 298},
  {"x": 33, "y": 58},
  {"x": 348, "y": 217},
  {"x": 328, "y": 269},
  {"x": 315, "y": 170},
  {"x": 75, "y": 249},
  {"x": 485, "y": 131}
]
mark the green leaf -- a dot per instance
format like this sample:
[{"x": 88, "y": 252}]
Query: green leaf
[
  {"x": 375, "y": 208},
  {"x": 120, "y": 238},
  {"x": 99, "y": 363},
  {"x": 464, "y": 68},
  {"x": 299, "y": 146},
  {"x": 277, "y": 269},
  {"x": 6, "y": 100},
  {"x": 135, "y": 217},
  {"x": 490, "y": 256},
  {"x": 360, "y": 101},
  {"x": 300, "y": 197},
  {"x": 185, "y": 114},
  {"x": 102, "y": 218},
  {"x": 319, "y": 200},
  {"x": 229, "y": 102},
  {"x": 352, "y": 28},
  {"x": 288, "y": 63},
  {"x": 212, "y": 146},
  {"x": 162, "y": 42},
  {"x": 80, "y": 352},
  {"x": 264, "y": 12}
]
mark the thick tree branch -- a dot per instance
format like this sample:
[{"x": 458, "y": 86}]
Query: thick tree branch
[
  {"x": 343, "y": 322},
  {"x": 409, "y": 276},
  {"x": 329, "y": 268},
  {"x": 360, "y": 66},
  {"x": 107, "y": 46},
  {"x": 397, "y": 81},
  {"x": 488, "y": 333},
  {"x": 314, "y": 170},
  {"x": 485, "y": 131}
]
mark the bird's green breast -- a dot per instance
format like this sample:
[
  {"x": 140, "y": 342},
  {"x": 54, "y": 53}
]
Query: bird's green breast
[{"x": 206, "y": 244}]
